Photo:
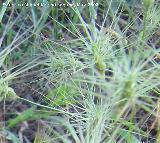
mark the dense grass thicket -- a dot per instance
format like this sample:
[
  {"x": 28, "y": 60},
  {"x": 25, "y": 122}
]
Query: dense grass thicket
[{"x": 80, "y": 71}]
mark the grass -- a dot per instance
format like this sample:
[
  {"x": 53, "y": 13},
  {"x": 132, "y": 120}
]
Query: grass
[{"x": 80, "y": 74}]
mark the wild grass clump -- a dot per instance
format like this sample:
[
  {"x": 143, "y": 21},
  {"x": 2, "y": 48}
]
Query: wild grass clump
[
  {"x": 88, "y": 124},
  {"x": 95, "y": 72}
]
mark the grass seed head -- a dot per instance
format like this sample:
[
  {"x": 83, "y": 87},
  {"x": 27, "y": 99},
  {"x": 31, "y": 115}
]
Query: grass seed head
[
  {"x": 148, "y": 4},
  {"x": 7, "y": 93}
]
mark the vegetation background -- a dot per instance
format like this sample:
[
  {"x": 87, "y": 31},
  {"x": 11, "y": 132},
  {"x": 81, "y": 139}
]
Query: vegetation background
[{"x": 80, "y": 71}]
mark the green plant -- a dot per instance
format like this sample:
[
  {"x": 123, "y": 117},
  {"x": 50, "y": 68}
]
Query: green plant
[
  {"x": 91, "y": 71},
  {"x": 135, "y": 73},
  {"x": 88, "y": 126}
]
